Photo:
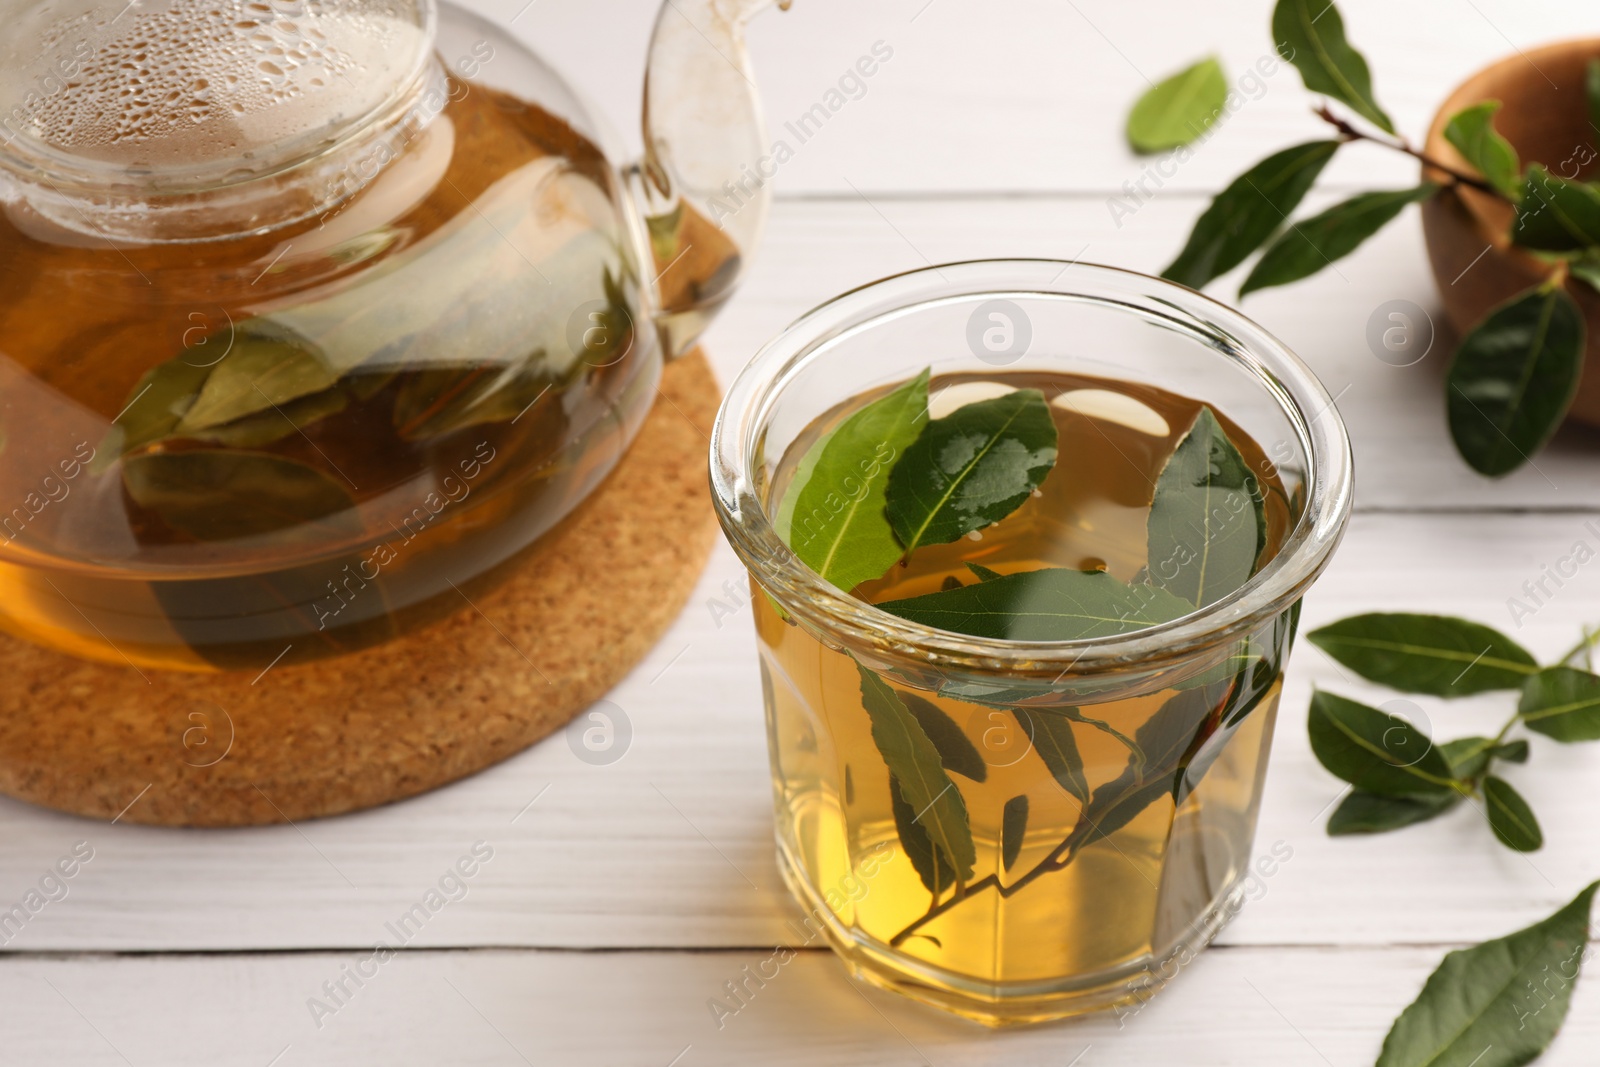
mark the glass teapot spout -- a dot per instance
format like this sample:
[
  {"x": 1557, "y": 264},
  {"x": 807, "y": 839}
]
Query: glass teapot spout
[{"x": 704, "y": 184}]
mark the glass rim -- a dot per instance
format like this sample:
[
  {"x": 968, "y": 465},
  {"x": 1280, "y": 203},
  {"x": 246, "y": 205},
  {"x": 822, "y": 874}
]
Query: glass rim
[{"x": 746, "y": 409}]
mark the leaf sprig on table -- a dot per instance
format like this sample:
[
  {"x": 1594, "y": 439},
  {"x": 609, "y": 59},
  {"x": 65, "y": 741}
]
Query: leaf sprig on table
[
  {"x": 1515, "y": 374},
  {"x": 1400, "y": 775}
]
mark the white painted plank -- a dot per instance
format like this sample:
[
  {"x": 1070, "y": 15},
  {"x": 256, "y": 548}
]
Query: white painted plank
[
  {"x": 671, "y": 846},
  {"x": 1032, "y": 94},
  {"x": 1242, "y": 1007}
]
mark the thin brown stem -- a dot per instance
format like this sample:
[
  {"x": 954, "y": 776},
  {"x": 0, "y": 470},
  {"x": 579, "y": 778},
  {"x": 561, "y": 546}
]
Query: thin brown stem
[
  {"x": 1457, "y": 177},
  {"x": 1059, "y": 857}
]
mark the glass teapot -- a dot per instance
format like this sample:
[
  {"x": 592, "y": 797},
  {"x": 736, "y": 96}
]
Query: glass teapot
[{"x": 313, "y": 312}]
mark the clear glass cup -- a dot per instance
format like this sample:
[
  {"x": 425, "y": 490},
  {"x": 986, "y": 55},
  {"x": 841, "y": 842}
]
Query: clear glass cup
[{"x": 1106, "y": 895}]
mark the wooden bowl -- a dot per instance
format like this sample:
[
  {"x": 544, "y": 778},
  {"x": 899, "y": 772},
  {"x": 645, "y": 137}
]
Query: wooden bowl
[{"x": 1544, "y": 114}]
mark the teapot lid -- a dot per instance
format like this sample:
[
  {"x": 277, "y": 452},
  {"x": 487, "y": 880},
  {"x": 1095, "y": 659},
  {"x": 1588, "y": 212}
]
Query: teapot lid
[{"x": 186, "y": 95}]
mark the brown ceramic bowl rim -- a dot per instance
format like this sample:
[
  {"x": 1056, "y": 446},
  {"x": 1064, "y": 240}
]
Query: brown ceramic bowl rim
[{"x": 1472, "y": 91}]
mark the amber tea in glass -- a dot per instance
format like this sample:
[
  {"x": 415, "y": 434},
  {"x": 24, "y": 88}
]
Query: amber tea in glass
[{"x": 1038, "y": 741}]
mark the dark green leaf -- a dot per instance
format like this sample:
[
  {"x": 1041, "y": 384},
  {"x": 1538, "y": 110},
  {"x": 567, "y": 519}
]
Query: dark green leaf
[
  {"x": 1311, "y": 244},
  {"x": 1248, "y": 212},
  {"x": 1178, "y": 109},
  {"x": 1374, "y": 813},
  {"x": 1586, "y": 268},
  {"x": 1207, "y": 522},
  {"x": 971, "y": 468},
  {"x": 984, "y": 573},
  {"x": 1435, "y": 654},
  {"x": 936, "y": 803},
  {"x": 1468, "y": 757},
  {"x": 1053, "y": 740},
  {"x": 1498, "y": 1004},
  {"x": 152, "y": 409},
  {"x": 836, "y": 523},
  {"x": 1310, "y": 34},
  {"x": 224, "y": 495},
  {"x": 1563, "y": 703},
  {"x": 1253, "y": 684},
  {"x": 1513, "y": 379},
  {"x": 1054, "y": 604},
  {"x": 267, "y": 365},
  {"x": 1374, "y": 751},
  {"x": 274, "y": 424},
  {"x": 956, "y": 751},
  {"x": 1591, "y": 83},
  {"x": 1510, "y": 817},
  {"x": 1013, "y": 827},
  {"x": 1472, "y": 133},
  {"x": 1556, "y": 215},
  {"x": 929, "y": 862},
  {"x": 1512, "y": 752},
  {"x": 436, "y": 401},
  {"x": 1165, "y": 742}
]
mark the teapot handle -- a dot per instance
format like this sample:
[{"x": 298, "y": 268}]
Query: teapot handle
[{"x": 703, "y": 186}]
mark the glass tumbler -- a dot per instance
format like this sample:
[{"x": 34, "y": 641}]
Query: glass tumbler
[{"x": 1134, "y": 856}]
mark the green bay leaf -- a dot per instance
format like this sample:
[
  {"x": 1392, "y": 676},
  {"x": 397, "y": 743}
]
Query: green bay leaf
[
  {"x": 1164, "y": 743},
  {"x": 215, "y": 495},
  {"x": 1510, "y": 817},
  {"x": 1207, "y": 523},
  {"x": 1498, "y": 1004},
  {"x": 1178, "y": 109},
  {"x": 971, "y": 468},
  {"x": 1512, "y": 751},
  {"x": 433, "y": 402},
  {"x": 1468, "y": 757},
  {"x": 1051, "y": 733},
  {"x": 1374, "y": 751},
  {"x": 1563, "y": 703},
  {"x": 1248, "y": 212},
  {"x": 1375, "y": 813},
  {"x": 1586, "y": 269},
  {"x": 154, "y": 407},
  {"x": 1013, "y": 828},
  {"x": 933, "y": 867},
  {"x": 266, "y": 365},
  {"x": 1472, "y": 133},
  {"x": 836, "y": 523},
  {"x": 274, "y": 424},
  {"x": 984, "y": 574},
  {"x": 1311, "y": 244},
  {"x": 1310, "y": 34},
  {"x": 1439, "y": 655},
  {"x": 1591, "y": 87},
  {"x": 1556, "y": 215},
  {"x": 1514, "y": 378},
  {"x": 956, "y": 751},
  {"x": 913, "y": 760},
  {"x": 1053, "y": 604}
]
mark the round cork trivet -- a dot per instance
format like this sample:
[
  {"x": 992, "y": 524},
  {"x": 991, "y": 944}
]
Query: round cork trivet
[{"x": 337, "y": 735}]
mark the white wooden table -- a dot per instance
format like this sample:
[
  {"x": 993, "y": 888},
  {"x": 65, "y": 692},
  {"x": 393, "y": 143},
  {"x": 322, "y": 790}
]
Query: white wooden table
[{"x": 624, "y": 896}]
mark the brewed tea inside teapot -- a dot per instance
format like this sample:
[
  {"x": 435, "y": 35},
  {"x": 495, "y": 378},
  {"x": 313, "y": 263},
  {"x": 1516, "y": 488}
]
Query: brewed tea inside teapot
[{"x": 316, "y": 314}]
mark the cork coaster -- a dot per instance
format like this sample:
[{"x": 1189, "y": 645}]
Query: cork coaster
[{"x": 342, "y": 734}]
